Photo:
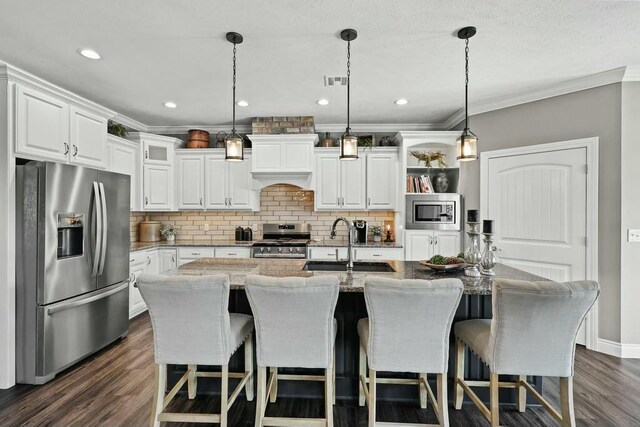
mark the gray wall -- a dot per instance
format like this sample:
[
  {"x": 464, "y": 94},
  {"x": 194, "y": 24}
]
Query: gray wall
[
  {"x": 630, "y": 252},
  {"x": 589, "y": 113}
]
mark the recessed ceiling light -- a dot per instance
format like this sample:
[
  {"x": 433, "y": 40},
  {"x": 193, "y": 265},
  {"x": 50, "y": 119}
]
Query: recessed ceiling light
[
  {"x": 170, "y": 104},
  {"x": 89, "y": 53},
  {"x": 242, "y": 104},
  {"x": 322, "y": 102},
  {"x": 401, "y": 101}
]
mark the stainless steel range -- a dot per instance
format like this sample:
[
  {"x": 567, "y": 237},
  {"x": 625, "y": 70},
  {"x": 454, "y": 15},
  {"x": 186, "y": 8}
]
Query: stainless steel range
[{"x": 283, "y": 241}]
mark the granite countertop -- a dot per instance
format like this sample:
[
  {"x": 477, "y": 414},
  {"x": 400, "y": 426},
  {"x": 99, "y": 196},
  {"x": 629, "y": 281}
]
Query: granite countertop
[
  {"x": 343, "y": 243},
  {"x": 140, "y": 246},
  {"x": 238, "y": 269}
]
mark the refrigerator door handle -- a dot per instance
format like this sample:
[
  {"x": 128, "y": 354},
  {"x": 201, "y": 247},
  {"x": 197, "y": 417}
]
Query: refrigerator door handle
[
  {"x": 59, "y": 308},
  {"x": 98, "y": 240},
  {"x": 103, "y": 251}
]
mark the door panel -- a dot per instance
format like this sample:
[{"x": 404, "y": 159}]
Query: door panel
[
  {"x": 68, "y": 190},
  {"x": 216, "y": 183},
  {"x": 190, "y": 182},
  {"x": 42, "y": 125},
  {"x": 382, "y": 179},
  {"x": 419, "y": 245},
  {"x": 88, "y": 138},
  {"x": 240, "y": 193},
  {"x": 327, "y": 181},
  {"x": 124, "y": 159},
  {"x": 115, "y": 267},
  {"x": 158, "y": 187},
  {"x": 353, "y": 183},
  {"x": 446, "y": 243}
]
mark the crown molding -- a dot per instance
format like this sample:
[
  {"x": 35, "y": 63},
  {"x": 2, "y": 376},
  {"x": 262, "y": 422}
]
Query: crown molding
[
  {"x": 180, "y": 129},
  {"x": 616, "y": 75},
  {"x": 378, "y": 127},
  {"x": 130, "y": 123}
]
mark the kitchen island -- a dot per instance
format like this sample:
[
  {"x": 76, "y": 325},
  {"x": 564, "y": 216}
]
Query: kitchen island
[{"x": 475, "y": 304}]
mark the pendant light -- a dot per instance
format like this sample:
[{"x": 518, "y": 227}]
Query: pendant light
[
  {"x": 348, "y": 141},
  {"x": 233, "y": 143},
  {"x": 467, "y": 144}
]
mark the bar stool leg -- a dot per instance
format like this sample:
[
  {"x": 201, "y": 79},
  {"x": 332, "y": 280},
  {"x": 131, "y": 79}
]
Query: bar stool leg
[
  {"x": 423, "y": 391},
  {"x": 443, "y": 400},
  {"x": 158, "y": 394},
  {"x": 248, "y": 367},
  {"x": 328, "y": 396},
  {"x": 274, "y": 391},
  {"x": 493, "y": 400},
  {"x": 261, "y": 398},
  {"x": 224, "y": 396},
  {"x": 566, "y": 402},
  {"x": 362, "y": 373},
  {"x": 192, "y": 383},
  {"x": 372, "y": 398},
  {"x": 459, "y": 391},
  {"x": 334, "y": 376},
  {"x": 521, "y": 394}
]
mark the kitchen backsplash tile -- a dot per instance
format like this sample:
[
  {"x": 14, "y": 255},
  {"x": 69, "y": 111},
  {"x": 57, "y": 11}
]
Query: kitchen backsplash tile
[{"x": 278, "y": 203}]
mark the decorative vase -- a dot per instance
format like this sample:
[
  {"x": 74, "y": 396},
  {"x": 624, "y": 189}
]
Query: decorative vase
[
  {"x": 442, "y": 183},
  {"x": 377, "y": 238},
  {"x": 171, "y": 238}
]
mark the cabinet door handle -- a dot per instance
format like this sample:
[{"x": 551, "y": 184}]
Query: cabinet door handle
[
  {"x": 148, "y": 260},
  {"x": 75, "y": 150},
  {"x": 368, "y": 201},
  {"x": 338, "y": 201},
  {"x": 66, "y": 148},
  {"x": 200, "y": 201},
  {"x": 173, "y": 258},
  {"x": 146, "y": 154},
  {"x": 337, "y": 255},
  {"x": 435, "y": 240},
  {"x": 430, "y": 240},
  {"x": 146, "y": 200},
  {"x": 230, "y": 203}
]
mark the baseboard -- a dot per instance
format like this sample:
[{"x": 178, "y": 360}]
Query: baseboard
[{"x": 612, "y": 348}]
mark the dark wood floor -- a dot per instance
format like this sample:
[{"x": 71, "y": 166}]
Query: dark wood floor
[{"x": 114, "y": 388}]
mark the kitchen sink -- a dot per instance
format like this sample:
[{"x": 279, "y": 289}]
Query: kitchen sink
[{"x": 374, "y": 267}]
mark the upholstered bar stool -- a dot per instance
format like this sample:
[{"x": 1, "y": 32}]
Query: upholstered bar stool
[
  {"x": 533, "y": 332},
  {"x": 295, "y": 328},
  {"x": 192, "y": 326},
  {"x": 407, "y": 331}
]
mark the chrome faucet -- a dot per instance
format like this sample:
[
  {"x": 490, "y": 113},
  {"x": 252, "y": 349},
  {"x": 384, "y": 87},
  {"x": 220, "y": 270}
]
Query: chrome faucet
[{"x": 350, "y": 240}]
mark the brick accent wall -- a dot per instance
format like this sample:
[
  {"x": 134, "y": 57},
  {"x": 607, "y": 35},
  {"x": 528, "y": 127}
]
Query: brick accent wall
[
  {"x": 276, "y": 125},
  {"x": 278, "y": 203}
]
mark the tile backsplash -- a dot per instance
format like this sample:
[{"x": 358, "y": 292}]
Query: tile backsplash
[{"x": 278, "y": 203}]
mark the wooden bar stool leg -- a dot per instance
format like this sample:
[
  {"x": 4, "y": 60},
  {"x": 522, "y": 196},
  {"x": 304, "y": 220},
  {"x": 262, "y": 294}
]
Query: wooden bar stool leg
[
  {"x": 494, "y": 403},
  {"x": 423, "y": 391},
  {"x": 521, "y": 393},
  {"x": 248, "y": 367},
  {"x": 158, "y": 394},
  {"x": 192, "y": 383},
  {"x": 566, "y": 402},
  {"x": 372, "y": 398},
  {"x": 362, "y": 373},
  {"x": 224, "y": 396},
  {"x": 328, "y": 396},
  {"x": 261, "y": 398},
  {"x": 459, "y": 391},
  {"x": 443, "y": 400},
  {"x": 274, "y": 391}
]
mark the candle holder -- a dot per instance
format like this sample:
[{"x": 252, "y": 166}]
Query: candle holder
[
  {"x": 472, "y": 254},
  {"x": 488, "y": 260}
]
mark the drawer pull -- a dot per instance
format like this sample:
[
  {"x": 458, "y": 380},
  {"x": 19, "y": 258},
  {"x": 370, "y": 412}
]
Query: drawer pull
[
  {"x": 195, "y": 253},
  {"x": 377, "y": 255}
]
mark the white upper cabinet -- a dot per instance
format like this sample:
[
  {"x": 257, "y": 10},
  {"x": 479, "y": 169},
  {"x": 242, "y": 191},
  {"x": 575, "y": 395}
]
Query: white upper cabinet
[
  {"x": 158, "y": 188},
  {"x": 51, "y": 128},
  {"x": 353, "y": 183},
  {"x": 282, "y": 153},
  {"x": 216, "y": 182},
  {"x": 241, "y": 195},
  {"x": 367, "y": 183},
  {"x": 190, "y": 181},
  {"x": 124, "y": 157},
  {"x": 382, "y": 180},
  {"x": 88, "y": 138}
]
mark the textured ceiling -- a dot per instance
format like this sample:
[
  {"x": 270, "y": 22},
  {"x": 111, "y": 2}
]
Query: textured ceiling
[{"x": 159, "y": 50}]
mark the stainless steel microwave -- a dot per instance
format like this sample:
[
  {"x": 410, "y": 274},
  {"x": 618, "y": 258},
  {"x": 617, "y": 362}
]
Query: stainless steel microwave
[{"x": 434, "y": 212}]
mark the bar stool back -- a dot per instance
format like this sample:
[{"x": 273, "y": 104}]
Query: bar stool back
[
  {"x": 407, "y": 331},
  {"x": 533, "y": 332},
  {"x": 295, "y": 328},
  {"x": 192, "y": 326}
]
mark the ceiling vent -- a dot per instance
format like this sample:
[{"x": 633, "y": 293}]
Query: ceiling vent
[{"x": 335, "y": 81}]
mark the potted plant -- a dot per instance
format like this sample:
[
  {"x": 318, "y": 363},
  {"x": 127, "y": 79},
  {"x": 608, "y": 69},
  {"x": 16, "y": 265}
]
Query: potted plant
[
  {"x": 376, "y": 230},
  {"x": 169, "y": 232},
  {"x": 116, "y": 129}
]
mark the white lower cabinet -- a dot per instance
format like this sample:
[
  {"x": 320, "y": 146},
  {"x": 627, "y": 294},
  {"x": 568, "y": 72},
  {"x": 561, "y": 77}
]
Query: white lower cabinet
[
  {"x": 422, "y": 245},
  {"x": 327, "y": 253},
  {"x": 188, "y": 254},
  {"x": 378, "y": 254},
  {"x": 140, "y": 263},
  {"x": 233, "y": 252},
  {"x": 167, "y": 259}
]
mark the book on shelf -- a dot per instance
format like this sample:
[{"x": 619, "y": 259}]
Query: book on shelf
[{"x": 419, "y": 184}]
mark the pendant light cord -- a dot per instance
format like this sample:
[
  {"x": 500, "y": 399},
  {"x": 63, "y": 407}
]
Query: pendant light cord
[
  {"x": 466, "y": 84},
  {"x": 233, "y": 130},
  {"x": 348, "y": 84}
]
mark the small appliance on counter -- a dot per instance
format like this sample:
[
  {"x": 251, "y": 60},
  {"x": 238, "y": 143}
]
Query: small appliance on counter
[
  {"x": 149, "y": 231},
  {"x": 361, "y": 230},
  {"x": 434, "y": 212},
  {"x": 247, "y": 234},
  {"x": 239, "y": 234}
]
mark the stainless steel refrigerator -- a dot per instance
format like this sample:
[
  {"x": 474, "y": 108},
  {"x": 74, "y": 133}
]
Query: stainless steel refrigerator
[{"x": 72, "y": 265}]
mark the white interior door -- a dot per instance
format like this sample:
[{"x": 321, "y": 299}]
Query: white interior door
[{"x": 538, "y": 202}]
